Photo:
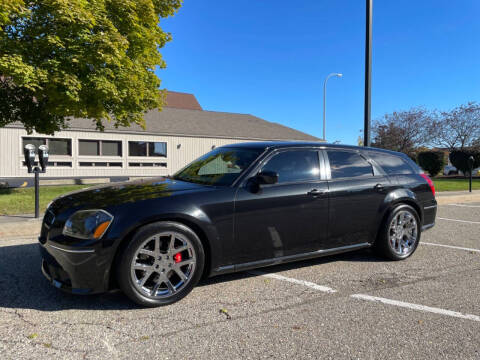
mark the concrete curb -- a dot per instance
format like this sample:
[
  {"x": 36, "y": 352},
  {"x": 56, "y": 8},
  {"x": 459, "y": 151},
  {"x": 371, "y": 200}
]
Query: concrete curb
[{"x": 31, "y": 227}]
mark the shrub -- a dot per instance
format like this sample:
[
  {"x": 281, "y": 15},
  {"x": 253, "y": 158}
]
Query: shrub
[
  {"x": 431, "y": 161},
  {"x": 459, "y": 159}
]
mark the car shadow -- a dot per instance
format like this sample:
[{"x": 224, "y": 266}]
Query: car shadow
[
  {"x": 23, "y": 286},
  {"x": 364, "y": 255}
]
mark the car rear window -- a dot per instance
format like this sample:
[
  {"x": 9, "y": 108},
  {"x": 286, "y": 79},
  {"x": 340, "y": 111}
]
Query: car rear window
[
  {"x": 348, "y": 164},
  {"x": 392, "y": 164}
]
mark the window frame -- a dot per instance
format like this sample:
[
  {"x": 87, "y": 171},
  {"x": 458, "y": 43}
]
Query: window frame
[
  {"x": 375, "y": 170},
  {"x": 100, "y": 148},
  {"x": 46, "y": 141},
  {"x": 120, "y": 143},
  {"x": 322, "y": 176},
  {"x": 90, "y": 141},
  {"x": 147, "y": 152}
]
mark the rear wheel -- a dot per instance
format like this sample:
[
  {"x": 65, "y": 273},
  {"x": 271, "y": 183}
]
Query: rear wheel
[
  {"x": 400, "y": 233},
  {"x": 161, "y": 265}
]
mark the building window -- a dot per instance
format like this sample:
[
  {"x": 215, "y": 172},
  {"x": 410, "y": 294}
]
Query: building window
[
  {"x": 150, "y": 149},
  {"x": 63, "y": 163},
  {"x": 100, "y": 148},
  {"x": 157, "y": 149},
  {"x": 144, "y": 164},
  {"x": 137, "y": 148},
  {"x": 55, "y": 146},
  {"x": 99, "y": 164},
  {"x": 53, "y": 163},
  {"x": 89, "y": 147},
  {"x": 111, "y": 148}
]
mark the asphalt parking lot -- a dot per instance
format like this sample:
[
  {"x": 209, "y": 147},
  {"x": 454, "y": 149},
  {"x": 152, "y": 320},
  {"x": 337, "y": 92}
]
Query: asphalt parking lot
[{"x": 346, "y": 306}]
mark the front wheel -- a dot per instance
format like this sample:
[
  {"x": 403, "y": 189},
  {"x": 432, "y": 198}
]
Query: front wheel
[
  {"x": 161, "y": 264},
  {"x": 400, "y": 234}
]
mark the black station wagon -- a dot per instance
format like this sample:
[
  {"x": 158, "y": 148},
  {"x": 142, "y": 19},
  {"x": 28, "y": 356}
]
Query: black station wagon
[{"x": 238, "y": 207}]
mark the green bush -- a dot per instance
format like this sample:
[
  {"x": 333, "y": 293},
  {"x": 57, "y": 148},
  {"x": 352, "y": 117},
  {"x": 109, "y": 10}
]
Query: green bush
[
  {"x": 431, "y": 161},
  {"x": 459, "y": 159}
]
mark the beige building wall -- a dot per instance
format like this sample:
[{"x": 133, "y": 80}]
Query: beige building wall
[{"x": 180, "y": 151}]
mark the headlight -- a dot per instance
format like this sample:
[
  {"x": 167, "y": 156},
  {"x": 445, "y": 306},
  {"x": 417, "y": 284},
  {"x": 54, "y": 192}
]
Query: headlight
[{"x": 88, "y": 224}]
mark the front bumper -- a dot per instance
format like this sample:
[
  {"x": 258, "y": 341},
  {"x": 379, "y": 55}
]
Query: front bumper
[{"x": 78, "y": 271}]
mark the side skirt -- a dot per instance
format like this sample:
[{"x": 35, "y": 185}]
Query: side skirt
[{"x": 286, "y": 259}]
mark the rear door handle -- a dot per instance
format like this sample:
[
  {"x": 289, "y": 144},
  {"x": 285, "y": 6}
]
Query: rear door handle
[
  {"x": 379, "y": 187},
  {"x": 316, "y": 192}
]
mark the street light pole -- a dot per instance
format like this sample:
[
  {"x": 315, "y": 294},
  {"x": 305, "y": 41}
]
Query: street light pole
[
  {"x": 368, "y": 72},
  {"x": 325, "y": 99}
]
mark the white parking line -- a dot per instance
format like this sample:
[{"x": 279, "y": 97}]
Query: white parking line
[
  {"x": 416, "y": 307},
  {"x": 295, "y": 281},
  {"x": 402, "y": 304},
  {"x": 462, "y": 221},
  {"x": 450, "y": 246},
  {"x": 464, "y": 205}
]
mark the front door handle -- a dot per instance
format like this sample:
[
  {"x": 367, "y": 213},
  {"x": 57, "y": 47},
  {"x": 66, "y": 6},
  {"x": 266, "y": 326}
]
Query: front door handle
[
  {"x": 379, "y": 187},
  {"x": 316, "y": 192}
]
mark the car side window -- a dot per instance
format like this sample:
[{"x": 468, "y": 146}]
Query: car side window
[
  {"x": 348, "y": 164},
  {"x": 391, "y": 164},
  {"x": 294, "y": 165}
]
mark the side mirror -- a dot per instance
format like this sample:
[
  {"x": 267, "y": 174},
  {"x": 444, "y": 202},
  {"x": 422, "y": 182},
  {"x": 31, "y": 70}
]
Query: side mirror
[
  {"x": 267, "y": 177},
  {"x": 43, "y": 156},
  {"x": 29, "y": 153}
]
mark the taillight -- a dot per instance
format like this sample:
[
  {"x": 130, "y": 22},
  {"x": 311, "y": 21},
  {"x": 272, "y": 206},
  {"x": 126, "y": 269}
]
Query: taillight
[{"x": 430, "y": 182}]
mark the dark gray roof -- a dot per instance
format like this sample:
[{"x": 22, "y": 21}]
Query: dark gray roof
[{"x": 172, "y": 121}]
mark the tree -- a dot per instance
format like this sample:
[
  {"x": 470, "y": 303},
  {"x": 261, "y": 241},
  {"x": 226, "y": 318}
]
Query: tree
[
  {"x": 402, "y": 131},
  {"x": 90, "y": 59},
  {"x": 458, "y": 128},
  {"x": 459, "y": 159},
  {"x": 431, "y": 161}
]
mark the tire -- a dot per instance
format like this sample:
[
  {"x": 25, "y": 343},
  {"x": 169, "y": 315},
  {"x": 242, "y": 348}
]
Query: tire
[
  {"x": 399, "y": 234},
  {"x": 150, "y": 269}
]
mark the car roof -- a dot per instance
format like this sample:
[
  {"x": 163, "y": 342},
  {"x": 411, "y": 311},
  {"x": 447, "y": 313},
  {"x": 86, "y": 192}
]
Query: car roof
[{"x": 263, "y": 145}]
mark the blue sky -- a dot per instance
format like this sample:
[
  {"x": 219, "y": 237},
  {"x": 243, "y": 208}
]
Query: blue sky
[{"x": 269, "y": 58}]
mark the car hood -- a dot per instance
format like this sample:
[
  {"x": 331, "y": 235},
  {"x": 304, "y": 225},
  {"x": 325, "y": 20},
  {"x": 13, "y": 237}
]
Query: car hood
[{"x": 105, "y": 196}]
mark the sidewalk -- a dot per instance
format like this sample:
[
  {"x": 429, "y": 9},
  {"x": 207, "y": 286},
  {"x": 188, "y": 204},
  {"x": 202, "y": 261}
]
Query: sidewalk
[
  {"x": 16, "y": 226},
  {"x": 452, "y": 197}
]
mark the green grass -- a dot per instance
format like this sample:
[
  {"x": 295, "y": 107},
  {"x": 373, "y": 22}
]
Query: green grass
[
  {"x": 22, "y": 201},
  {"x": 445, "y": 184}
]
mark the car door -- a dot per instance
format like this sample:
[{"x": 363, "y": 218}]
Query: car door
[
  {"x": 356, "y": 192},
  {"x": 286, "y": 218}
]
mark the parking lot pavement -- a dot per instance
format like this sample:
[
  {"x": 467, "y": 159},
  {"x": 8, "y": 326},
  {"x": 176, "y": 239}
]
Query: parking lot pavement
[{"x": 346, "y": 306}]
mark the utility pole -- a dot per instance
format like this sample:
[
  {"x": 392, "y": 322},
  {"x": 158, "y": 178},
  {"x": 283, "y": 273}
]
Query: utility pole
[
  {"x": 368, "y": 73},
  {"x": 325, "y": 100}
]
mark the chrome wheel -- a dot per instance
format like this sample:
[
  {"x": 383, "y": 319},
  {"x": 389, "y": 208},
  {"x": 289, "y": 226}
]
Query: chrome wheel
[
  {"x": 403, "y": 233},
  {"x": 163, "y": 265}
]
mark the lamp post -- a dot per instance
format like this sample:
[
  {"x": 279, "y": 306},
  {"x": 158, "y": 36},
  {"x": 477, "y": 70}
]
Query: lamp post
[
  {"x": 471, "y": 160},
  {"x": 325, "y": 98},
  {"x": 368, "y": 73}
]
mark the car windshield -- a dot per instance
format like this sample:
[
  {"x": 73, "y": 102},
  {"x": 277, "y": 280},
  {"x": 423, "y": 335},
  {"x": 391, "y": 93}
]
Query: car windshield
[{"x": 221, "y": 166}]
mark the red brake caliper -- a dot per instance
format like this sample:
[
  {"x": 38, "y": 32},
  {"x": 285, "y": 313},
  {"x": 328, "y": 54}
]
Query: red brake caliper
[{"x": 177, "y": 257}]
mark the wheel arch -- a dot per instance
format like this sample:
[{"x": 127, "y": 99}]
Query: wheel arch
[
  {"x": 392, "y": 200},
  {"x": 196, "y": 228}
]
